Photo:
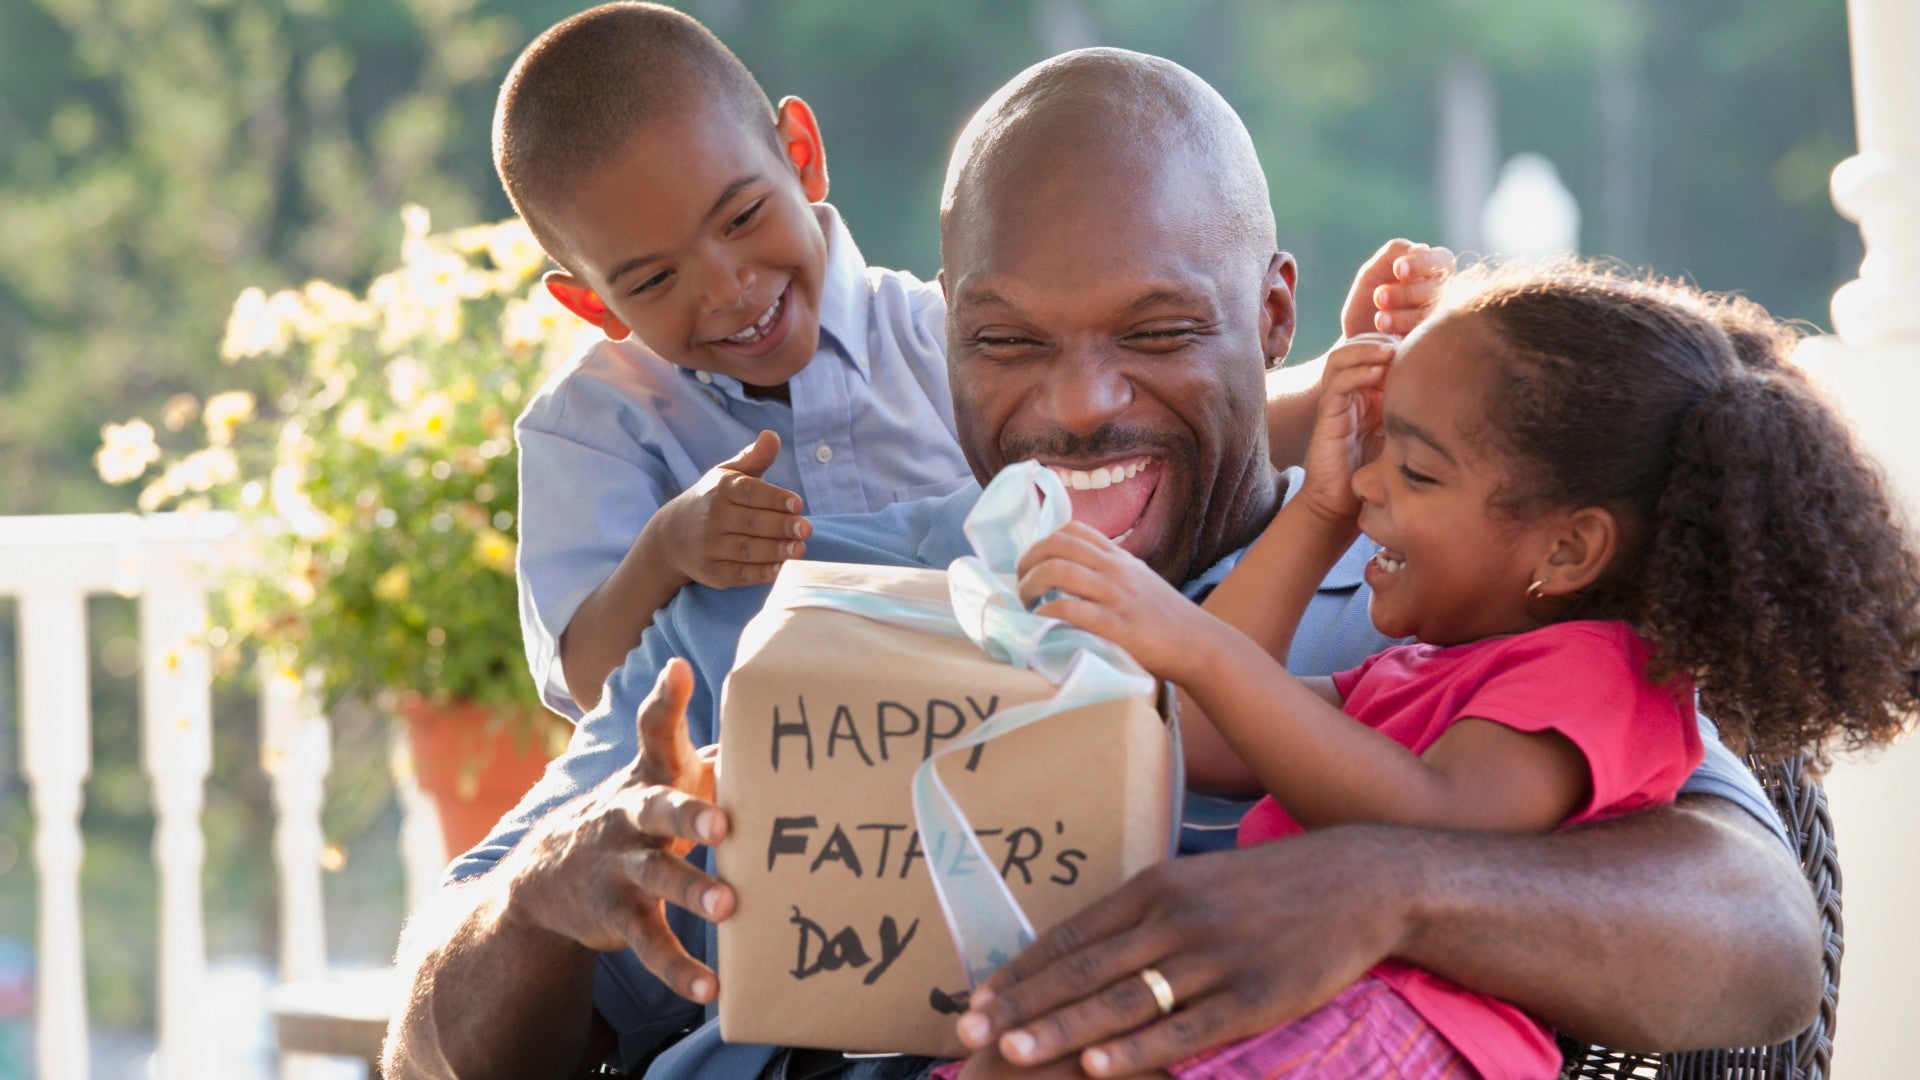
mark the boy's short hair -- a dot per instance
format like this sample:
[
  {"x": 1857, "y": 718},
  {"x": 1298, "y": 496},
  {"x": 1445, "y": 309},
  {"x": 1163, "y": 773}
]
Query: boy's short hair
[{"x": 581, "y": 89}]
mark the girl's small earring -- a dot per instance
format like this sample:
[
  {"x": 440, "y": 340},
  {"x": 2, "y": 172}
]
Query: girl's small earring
[{"x": 1537, "y": 591}]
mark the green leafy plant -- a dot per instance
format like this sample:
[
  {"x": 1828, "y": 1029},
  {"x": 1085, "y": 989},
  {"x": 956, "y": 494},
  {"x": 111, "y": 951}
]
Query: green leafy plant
[{"x": 368, "y": 445}]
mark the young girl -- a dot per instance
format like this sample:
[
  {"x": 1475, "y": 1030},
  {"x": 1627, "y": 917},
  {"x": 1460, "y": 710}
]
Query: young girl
[{"x": 1593, "y": 497}]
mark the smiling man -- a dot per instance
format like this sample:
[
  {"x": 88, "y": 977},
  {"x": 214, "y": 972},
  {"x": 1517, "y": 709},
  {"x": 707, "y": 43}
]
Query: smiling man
[
  {"x": 1084, "y": 229},
  {"x": 1115, "y": 296}
]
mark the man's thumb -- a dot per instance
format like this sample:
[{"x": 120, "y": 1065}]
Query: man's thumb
[
  {"x": 662, "y": 723},
  {"x": 755, "y": 460}
]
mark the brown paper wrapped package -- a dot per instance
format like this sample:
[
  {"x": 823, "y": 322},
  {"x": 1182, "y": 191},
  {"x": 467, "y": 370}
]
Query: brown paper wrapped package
[{"x": 838, "y": 941}]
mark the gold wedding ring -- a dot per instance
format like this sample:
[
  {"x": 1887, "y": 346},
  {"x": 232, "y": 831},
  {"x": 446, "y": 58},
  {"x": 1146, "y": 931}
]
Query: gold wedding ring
[{"x": 1161, "y": 988}]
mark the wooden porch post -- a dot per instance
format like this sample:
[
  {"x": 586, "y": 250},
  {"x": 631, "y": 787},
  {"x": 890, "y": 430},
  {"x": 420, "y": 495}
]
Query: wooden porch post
[{"x": 1874, "y": 365}]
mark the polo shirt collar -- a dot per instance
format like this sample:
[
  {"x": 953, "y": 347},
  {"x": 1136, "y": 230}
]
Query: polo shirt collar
[{"x": 845, "y": 300}]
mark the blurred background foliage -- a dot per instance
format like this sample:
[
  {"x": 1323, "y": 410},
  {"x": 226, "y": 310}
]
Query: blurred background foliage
[{"x": 157, "y": 156}]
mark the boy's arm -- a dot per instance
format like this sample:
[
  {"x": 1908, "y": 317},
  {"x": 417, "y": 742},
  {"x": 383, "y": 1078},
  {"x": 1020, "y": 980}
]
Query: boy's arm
[{"x": 732, "y": 528}]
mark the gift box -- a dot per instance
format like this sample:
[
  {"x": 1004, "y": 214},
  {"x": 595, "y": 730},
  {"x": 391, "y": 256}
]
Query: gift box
[{"x": 839, "y": 939}]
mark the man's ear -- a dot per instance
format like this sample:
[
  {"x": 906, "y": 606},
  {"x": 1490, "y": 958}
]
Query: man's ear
[
  {"x": 1583, "y": 546},
  {"x": 1276, "y": 307},
  {"x": 800, "y": 139},
  {"x": 584, "y": 302}
]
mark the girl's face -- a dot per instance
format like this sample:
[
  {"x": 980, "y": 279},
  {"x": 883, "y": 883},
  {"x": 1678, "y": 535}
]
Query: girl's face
[{"x": 1449, "y": 570}]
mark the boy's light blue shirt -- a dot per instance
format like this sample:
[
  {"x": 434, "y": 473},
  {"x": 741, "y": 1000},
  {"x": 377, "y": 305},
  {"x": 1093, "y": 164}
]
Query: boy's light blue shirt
[
  {"x": 703, "y": 625},
  {"x": 616, "y": 433}
]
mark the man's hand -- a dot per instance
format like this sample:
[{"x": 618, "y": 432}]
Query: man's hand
[
  {"x": 598, "y": 870},
  {"x": 732, "y": 528},
  {"x": 1248, "y": 939},
  {"x": 1394, "y": 289}
]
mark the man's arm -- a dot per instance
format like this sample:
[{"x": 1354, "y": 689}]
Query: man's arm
[
  {"x": 502, "y": 966},
  {"x": 462, "y": 1019},
  {"x": 1680, "y": 927}
]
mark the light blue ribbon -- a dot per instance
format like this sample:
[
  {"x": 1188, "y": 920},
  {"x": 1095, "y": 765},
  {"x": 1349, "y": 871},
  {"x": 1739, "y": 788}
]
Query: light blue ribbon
[{"x": 1023, "y": 504}]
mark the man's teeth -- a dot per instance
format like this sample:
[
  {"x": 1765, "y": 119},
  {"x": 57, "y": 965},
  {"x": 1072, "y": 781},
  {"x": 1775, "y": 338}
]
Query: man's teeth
[
  {"x": 1388, "y": 563},
  {"x": 754, "y": 332},
  {"x": 1099, "y": 477}
]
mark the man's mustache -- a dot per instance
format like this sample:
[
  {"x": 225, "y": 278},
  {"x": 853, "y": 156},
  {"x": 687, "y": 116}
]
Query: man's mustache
[{"x": 1107, "y": 441}]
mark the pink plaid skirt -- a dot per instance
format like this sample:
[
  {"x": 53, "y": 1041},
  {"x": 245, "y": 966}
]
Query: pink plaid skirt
[{"x": 1366, "y": 1031}]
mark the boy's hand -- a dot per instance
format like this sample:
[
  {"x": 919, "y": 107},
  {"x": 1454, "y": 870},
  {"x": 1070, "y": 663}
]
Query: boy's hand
[
  {"x": 1346, "y": 431},
  {"x": 1111, "y": 593},
  {"x": 733, "y": 528},
  {"x": 1394, "y": 290}
]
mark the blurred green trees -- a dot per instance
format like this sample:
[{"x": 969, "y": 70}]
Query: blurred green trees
[{"x": 157, "y": 156}]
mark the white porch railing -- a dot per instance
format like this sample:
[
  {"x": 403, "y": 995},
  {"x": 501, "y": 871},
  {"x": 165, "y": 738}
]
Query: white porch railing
[{"x": 52, "y": 564}]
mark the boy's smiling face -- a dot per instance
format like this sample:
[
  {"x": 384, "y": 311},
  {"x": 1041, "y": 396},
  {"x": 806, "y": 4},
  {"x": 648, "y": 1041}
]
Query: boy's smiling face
[{"x": 698, "y": 238}]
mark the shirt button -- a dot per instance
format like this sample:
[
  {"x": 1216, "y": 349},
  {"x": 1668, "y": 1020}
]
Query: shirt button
[
  {"x": 703, "y": 376},
  {"x": 823, "y": 453}
]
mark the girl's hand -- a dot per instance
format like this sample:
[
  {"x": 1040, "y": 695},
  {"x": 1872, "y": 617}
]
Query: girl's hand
[
  {"x": 1112, "y": 594},
  {"x": 1346, "y": 431}
]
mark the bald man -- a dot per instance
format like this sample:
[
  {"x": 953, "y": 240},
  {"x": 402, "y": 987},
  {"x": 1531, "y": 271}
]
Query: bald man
[{"x": 1115, "y": 292}]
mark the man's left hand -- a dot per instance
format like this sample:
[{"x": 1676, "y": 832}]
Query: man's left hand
[{"x": 1247, "y": 939}]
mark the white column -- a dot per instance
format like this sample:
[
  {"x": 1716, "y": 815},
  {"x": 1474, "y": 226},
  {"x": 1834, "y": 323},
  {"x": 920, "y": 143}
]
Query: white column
[
  {"x": 56, "y": 750},
  {"x": 1874, "y": 365},
  {"x": 296, "y": 752},
  {"x": 177, "y": 740},
  {"x": 423, "y": 847}
]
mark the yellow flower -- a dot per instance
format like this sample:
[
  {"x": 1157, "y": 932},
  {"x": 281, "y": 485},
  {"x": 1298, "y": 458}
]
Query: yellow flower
[
  {"x": 252, "y": 329},
  {"x": 179, "y": 411},
  {"x": 394, "y": 584},
  {"x": 202, "y": 470},
  {"x": 295, "y": 509},
  {"x": 433, "y": 416},
  {"x": 416, "y": 221},
  {"x": 330, "y": 310},
  {"x": 223, "y": 412},
  {"x": 405, "y": 380},
  {"x": 512, "y": 248},
  {"x": 125, "y": 451},
  {"x": 494, "y": 550},
  {"x": 355, "y": 422}
]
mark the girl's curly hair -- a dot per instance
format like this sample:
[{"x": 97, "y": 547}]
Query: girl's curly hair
[{"x": 1764, "y": 555}]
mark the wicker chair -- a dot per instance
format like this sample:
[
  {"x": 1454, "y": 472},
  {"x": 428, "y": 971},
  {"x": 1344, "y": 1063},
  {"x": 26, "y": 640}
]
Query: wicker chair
[{"x": 1803, "y": 807}]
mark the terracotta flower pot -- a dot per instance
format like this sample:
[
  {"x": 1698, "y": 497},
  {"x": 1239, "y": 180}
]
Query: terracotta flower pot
[{"x": 475, "y": 761}]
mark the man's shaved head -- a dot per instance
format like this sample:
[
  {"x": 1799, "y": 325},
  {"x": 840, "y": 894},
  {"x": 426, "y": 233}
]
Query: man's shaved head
[
  {"x": 578, "y": 94},
  {"x": 1113, "y": 112},
  {"x": 1114, "y": 294}
]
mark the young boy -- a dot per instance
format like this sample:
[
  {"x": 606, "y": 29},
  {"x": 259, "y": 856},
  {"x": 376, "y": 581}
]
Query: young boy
[{"x": 687, "y": 216}]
